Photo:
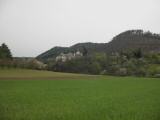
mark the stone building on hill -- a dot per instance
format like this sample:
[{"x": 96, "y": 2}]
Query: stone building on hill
[{"x": 64, "y": 57}]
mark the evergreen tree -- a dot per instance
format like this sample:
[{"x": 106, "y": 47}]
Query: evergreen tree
[{"x": 5, "y": 52}]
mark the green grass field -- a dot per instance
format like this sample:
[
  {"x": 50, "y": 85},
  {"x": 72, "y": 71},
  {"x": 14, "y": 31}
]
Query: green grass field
[{"x": 41, "y": 95}]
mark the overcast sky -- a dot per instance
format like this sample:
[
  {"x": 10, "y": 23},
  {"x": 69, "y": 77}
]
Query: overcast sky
[{"x": 30, "y": 27}]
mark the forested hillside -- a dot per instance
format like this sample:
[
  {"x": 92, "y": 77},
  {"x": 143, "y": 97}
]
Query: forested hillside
[
  {"x": 135, "y": 39},
  {"x": 133, "y": 52},
  {"x": 90, "y": 47},
  {"x": 128, "y": 40}
]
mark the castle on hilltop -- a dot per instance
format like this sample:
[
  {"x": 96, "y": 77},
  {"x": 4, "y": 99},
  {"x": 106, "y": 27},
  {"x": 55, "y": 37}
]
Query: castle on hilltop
[{"x": 64, "y": 57}]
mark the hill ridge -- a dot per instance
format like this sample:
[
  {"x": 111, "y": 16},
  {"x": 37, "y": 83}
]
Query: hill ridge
[{"x": 130, "y": 39}]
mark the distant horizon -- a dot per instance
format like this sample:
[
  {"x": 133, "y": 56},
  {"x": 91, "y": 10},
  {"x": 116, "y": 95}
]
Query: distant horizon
[{"x": 34, "y": 26}]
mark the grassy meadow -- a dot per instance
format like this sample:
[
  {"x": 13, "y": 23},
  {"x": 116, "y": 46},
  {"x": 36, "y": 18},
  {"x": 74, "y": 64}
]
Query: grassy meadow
[{"x": 42, "y": 95}]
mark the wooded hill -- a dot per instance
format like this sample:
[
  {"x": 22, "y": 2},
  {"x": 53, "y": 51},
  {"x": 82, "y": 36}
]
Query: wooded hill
[{"x": 128, "y": 40}]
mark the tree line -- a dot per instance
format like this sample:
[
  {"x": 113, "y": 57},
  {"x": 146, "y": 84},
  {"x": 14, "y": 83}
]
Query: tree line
[
  {"x": 8, "y": 61},
  {"x": 124, "y": 63},
  {"x": 131, "y": 62}
]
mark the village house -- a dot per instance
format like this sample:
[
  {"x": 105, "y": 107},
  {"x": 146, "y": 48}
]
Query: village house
[{"x": 64, "y": 57}]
